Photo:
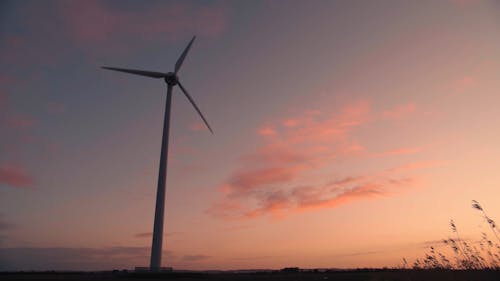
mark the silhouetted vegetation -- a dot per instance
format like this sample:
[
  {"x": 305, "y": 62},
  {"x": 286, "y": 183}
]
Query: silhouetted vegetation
[
  {"x": 480, "y": 255},
  {"x": 471, "y": 261},
  {"x": 307, "y": 275}
]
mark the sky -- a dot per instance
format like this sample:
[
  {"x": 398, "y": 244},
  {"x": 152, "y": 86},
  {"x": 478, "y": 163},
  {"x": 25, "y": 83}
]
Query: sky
[{"x": 347, "y": 133}]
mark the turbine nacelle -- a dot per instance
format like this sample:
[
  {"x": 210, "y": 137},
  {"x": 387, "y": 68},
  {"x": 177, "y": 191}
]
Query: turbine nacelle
[{"x": 171, "y": 79}]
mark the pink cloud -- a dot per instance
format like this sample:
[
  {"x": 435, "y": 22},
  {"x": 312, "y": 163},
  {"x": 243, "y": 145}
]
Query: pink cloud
[
  {"x": 400, "y": 111},
  {"x": 296, "y": 149},
  {"x": 282, "y": 201},
  {"x": 99, "y": 28},
  {"x": 244, "y": 182},
  {"x": 280, "y": 176},
  {"x": 362, "y": 191},
  {"x": 274, "y": 203},
  {"x": 97, "y": 23},
  {"x": 14, "y": 175},
  {"x": 317, "y": 127},
  {"x": 267, "y": 131},
  {"x": 352, "y": 189},
  {"x": 290, "y": 122}
]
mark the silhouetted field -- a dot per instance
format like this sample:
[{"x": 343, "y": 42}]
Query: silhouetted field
[{"x": 348, "y": 275}]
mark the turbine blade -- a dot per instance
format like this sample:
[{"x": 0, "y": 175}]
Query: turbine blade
[
  {"x": 137, "y": 72},
  {"x": 195, "y": 106},
  {"x": 180, "y": 60}
]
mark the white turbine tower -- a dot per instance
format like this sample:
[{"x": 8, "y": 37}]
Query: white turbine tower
[{"x": 172, "y": 80}]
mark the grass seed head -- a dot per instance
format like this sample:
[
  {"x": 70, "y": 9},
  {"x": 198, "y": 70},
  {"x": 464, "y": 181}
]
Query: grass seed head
[{"x": 476, "y": 205}]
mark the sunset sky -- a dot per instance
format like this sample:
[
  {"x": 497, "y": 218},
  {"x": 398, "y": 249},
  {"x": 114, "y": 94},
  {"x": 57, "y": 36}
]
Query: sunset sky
[{"x": 347, "y": 133}]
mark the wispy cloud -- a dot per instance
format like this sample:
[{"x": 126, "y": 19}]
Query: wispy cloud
[
  {"x": 244, "y": 182},
  {"x": 290, "y": 171},
  {"x": 15, "y": 176},
  {"x": 101, "y": 27},
  {"x": 280, "y": 201},
  {"x": 98, "y": 23},
  {"x": 279, "y": 177}
]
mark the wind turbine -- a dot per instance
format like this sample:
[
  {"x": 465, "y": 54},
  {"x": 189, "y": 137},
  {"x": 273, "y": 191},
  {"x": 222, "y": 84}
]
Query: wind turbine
[{"x": 172, "y": 80}]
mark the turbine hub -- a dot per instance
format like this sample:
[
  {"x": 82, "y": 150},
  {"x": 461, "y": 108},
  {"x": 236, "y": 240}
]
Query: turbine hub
[{"x": 171, "y": 79}]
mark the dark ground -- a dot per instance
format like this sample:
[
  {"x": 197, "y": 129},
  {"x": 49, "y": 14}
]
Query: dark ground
[{"x": 352, "y": 275}]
